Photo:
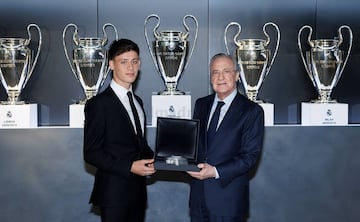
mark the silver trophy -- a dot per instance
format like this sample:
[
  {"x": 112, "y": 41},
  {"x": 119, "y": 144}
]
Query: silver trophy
[
  {"x": 324, "y": 61},
  {"x": 89, "y": 62},
  {"x": 170, "y": 54},
  {"x": 17, "y": 64},
  {"x": 254, "y": 58}
]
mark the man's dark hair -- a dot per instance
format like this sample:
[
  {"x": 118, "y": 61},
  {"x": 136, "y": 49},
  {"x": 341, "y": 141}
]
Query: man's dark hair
[{"x": 120, "y": 46}]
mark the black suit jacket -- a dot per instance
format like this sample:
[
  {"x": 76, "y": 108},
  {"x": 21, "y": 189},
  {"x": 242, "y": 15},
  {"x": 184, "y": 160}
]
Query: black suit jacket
[
  {"x": 234, "y": 151},
  {"x": 111, "y": 145}
]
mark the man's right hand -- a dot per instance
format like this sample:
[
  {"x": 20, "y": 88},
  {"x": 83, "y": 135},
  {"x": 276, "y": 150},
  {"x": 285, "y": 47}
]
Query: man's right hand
[{"x": 143, "y": 167}]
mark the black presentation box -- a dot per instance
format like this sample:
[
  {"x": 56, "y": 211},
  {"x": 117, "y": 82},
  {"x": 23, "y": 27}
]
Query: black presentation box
[{"x": 176, "y": 144}]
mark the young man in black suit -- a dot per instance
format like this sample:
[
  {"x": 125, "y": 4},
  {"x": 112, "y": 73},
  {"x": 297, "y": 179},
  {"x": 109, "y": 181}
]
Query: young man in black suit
[{"x": 114, "y": 140}]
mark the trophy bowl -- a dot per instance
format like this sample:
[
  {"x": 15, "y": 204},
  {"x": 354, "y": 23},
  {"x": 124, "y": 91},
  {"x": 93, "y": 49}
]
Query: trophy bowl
[
  {"x": 324, "y": 62},
  {"x": 17, "y": 64},
  {"x": 253, "y": 57},
  {"x": 89, "y": 62},
  {"x": 170, "y": 53}
]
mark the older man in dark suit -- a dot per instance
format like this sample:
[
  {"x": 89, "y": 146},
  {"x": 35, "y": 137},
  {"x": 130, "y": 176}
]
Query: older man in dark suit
[
  {"x": 231, "y": 137},
  {"x": 114, "y": 140}
]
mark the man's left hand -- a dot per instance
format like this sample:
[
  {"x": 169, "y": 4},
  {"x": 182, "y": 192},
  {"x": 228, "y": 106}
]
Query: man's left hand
[{"x": 207, "y": 171}]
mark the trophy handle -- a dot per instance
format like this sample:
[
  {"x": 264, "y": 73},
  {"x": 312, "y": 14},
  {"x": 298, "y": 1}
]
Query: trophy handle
[
  {"x": 268, "y": 41},
  {"x": 302, "y": 52},
  {"x": 105, "y": 39},
  {"x": 37, "y": 51},
  {"x": 156, "y": 34},
  {"x": 196, "y": 34},
  {"x": 349, "y": 48},
  {"x": 235, "y": 37},
  {"x": 76, "y": 41}
]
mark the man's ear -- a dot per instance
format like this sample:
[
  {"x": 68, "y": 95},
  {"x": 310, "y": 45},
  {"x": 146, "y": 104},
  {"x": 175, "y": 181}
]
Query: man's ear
[
  {"x": 237, "y": 76},
  {"x": 111, "y": 64}
]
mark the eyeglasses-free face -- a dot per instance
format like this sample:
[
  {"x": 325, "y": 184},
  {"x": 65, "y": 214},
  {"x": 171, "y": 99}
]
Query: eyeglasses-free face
[
  {"x": 125, "y": 68},
  {"x": 223, "y": 76}
]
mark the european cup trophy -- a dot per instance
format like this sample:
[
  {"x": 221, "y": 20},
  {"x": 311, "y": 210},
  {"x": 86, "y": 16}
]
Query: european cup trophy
[
  {"x": 17, "y": 63},
  {"x": 253, "y": 57},
  {"x": 89, "y": 61},
  {"x": 170, "y": 52},
  {"x": 324, "y": 61}
]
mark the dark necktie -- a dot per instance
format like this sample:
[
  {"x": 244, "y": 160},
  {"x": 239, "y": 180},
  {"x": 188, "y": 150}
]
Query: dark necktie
[
  {"x": 214, "y": 122},
  {"x": 135, "y": 114}
]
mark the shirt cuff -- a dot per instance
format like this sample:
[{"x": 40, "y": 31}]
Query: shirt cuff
[{"x": 216, "y": 174}]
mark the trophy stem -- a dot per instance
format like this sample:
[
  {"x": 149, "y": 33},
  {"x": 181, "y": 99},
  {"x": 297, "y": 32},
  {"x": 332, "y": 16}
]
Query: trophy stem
[
  {"x": 88, "y": 95},
  {"x": 252, "y": 95},
  {"x": 13, "y": 98},
  {"x": 171, "y": 89},
  {"x": 324, "y": 97}
]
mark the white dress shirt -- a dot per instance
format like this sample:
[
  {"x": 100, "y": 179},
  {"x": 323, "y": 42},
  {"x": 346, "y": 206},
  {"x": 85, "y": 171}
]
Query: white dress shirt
[
  {"x": 121, "y": 94},
  {"x": 228, "y": 100}
]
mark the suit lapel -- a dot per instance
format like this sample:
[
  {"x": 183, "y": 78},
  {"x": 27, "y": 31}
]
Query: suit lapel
[
  {"x": 208, "y": 106},
  {"x": 235, "y": 109},
  {"x": 122, "y": 108}
]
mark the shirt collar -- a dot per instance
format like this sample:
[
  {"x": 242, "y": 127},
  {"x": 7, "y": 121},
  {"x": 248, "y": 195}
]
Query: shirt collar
[
  {"x": 228, "y": 99},
  {"x": 118, "y": 89}
]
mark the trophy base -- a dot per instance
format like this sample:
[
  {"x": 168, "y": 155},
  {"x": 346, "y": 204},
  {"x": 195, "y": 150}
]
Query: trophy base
[
  {"x": 12, "y": 103},
  {"x": 76, "y": 115},
  {"x": 19, "y": 116},
  {"x": 172, "y": 106},
  {"x": 320, "y": 101},
  {"x": 268, "y": 113},
  {"x": 258, "y": 101},
  {"x": 315, "y": 114},
  {"x": 169, "y": 93}
]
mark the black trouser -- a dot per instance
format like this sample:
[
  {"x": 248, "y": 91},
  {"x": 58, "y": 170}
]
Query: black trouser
[{"x": 118, "y": 214}]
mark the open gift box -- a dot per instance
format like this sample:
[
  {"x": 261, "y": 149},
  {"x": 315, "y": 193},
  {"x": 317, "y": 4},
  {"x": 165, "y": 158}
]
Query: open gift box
[{"x": 176, "y": 144}]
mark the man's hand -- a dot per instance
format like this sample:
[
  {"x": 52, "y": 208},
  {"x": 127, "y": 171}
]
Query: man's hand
[
  {"x": 207, "y": 171},
  {"x": 143, "y": 167}
]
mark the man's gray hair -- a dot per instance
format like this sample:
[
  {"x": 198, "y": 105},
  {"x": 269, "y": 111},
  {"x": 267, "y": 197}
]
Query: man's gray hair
[{"x": 223, "y": 55}]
